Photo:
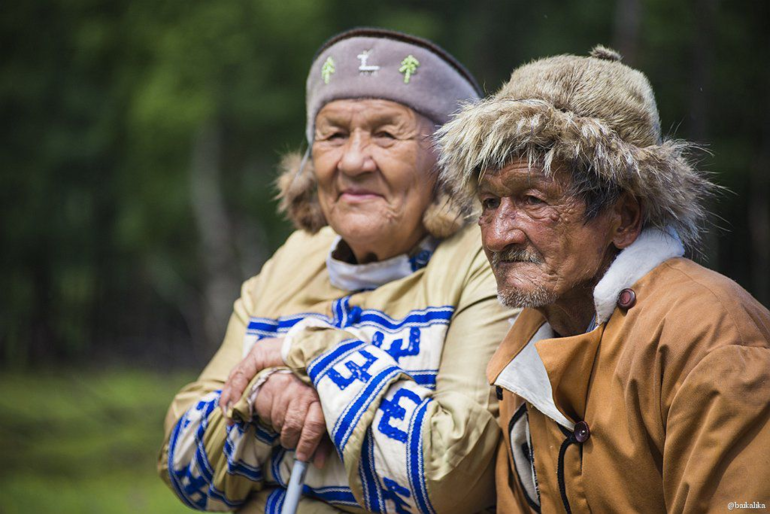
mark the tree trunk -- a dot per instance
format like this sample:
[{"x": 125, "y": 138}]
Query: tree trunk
[{"x": 221, "y": 283}]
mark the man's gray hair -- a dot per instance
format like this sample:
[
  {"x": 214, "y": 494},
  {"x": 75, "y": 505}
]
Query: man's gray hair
[{"x": 591, "y": 117}]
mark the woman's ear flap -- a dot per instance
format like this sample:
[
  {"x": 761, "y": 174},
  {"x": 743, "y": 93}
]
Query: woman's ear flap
[
  {"x": 445, "y": 216},
  {"x": 298, "y": 193}
]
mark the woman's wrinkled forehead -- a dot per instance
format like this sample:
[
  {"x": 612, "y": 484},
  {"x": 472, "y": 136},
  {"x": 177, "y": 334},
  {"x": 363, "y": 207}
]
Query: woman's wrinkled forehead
[{"x": 372, "y": 113}]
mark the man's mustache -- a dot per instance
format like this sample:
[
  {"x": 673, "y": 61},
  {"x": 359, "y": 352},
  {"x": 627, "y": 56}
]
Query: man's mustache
[{"x": 515, "y": 255}]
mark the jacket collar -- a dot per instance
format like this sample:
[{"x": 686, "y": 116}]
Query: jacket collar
[
  {"x": 547, "y": 371},
  {"x": 357, "y": 277},
  {"x": 652, "y": 247}
]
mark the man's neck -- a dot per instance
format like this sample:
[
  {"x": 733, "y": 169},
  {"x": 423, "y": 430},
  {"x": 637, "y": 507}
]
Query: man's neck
[
  {"x": 570, "y": 316},
  {"x": 573, "y": 312}
]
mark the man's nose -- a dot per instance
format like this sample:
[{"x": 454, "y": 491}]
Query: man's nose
[
  {"x": 501, "y": 228},
  {"x": 357, "y": 155}
]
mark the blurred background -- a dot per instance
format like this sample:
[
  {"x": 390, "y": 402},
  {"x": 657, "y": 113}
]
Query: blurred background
[{"x": 137, "y": 159}]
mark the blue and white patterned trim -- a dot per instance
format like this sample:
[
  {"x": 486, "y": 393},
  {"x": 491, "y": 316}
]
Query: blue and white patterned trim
[
  {"x": 236, "y": 466},
  {"x": 416, "y": 460},
  {"x": 275, "y": 501},
  {"x": 269, "y": 327},
  {"x": 350, "y": 416},
  {"x": 417, "y": 318},
  {"x": 371, "y": 485},
  {"x": 279, "y": 453},
  {"x": 265, "y": 435},
  {"x": 424, "y": 377},
  {"x": 344, "y": 316},
  {"x": 193, "y": 482},
  {"x": 335, "y": 495},
  {"x": 321, "y": 365}
]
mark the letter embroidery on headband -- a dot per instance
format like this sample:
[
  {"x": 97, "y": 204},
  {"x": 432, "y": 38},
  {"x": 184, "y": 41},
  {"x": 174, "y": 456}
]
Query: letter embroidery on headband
[
  {"x": 327, "y": 70},
  {"x": 366, "y": 68}
]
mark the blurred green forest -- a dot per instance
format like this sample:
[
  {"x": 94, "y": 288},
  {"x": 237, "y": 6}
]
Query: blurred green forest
[
  {"x": 138, "y": 155},
  {"x": 141, "y": 139}
]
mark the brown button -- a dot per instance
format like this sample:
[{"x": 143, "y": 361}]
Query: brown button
[
  {"x": 499, "y": 392},
  {"x": 627, "y": 299},
  {"x": 582, "y": 432}
]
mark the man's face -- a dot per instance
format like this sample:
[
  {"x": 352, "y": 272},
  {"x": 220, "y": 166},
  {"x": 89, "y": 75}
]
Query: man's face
[{"x": 535, "y": 236}]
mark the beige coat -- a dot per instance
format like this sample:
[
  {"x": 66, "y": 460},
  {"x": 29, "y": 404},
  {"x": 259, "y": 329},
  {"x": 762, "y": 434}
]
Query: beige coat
[
  {"x": 674, "y": 388},
  {"x": 399, "y": 370}
]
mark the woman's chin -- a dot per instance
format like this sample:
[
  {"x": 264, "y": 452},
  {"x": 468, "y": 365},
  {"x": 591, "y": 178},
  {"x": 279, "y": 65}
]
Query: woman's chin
[{"x": 363, "y": 232}]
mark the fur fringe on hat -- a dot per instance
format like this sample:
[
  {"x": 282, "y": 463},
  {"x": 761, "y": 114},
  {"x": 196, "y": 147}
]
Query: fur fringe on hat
[
  {"x": 489, "y": 134},
  {"x": 298, "y": 201}
]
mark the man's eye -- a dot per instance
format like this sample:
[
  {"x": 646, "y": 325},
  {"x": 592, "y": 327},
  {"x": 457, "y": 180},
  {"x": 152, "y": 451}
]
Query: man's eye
[
  {"x": 490, "y": 203},
  {"x": 533, "y": 200},
  {"x": 384, "y": 134}
]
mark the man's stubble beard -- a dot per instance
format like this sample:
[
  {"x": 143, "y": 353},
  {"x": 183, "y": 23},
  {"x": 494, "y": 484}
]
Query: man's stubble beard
[{"x": 514, "y": 298}]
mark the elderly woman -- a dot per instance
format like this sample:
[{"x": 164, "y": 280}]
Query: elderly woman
[{"x": 374, "y": 329}]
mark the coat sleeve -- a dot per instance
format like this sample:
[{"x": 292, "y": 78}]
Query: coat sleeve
[
  {"x": 209, "y": 465},
  {"x": 405, "y": 447},
  {"x": 717, "y": 449}
]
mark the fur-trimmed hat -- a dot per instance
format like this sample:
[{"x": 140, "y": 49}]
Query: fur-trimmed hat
[
  {"x": 593, "y": 114},
  {"x": 382, "y": 64}
]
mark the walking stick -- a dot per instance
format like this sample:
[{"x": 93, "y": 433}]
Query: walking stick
[{"x": 294, "y": 491}]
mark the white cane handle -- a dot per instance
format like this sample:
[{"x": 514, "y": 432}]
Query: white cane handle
[{"x": 294, "y": 491}]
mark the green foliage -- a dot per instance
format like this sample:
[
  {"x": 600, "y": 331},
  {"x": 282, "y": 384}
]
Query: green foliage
[{"x": 78, "y": 442}]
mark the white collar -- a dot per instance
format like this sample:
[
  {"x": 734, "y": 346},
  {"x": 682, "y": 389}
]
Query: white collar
[
  {"x": 526, "y": 375},
  {"x": 355, "y": 277},
  {"x": 651, "y": 248}
]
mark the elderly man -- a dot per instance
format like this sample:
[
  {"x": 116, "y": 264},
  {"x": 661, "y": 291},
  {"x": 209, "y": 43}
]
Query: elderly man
[
  {"x": 634, "y": 380},
  {"x": 386, "y": 317}
]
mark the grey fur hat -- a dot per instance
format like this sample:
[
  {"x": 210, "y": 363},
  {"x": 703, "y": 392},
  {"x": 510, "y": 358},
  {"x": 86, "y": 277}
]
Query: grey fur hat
[
  {"x": 376, "y": 63},
  {"x": 594, "y": 114}
]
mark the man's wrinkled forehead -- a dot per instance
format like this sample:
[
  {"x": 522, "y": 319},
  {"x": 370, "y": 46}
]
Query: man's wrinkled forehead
[{"x": 518, "y": 173}]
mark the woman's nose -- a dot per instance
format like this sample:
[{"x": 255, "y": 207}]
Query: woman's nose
[{"x": 357, "y": 156}]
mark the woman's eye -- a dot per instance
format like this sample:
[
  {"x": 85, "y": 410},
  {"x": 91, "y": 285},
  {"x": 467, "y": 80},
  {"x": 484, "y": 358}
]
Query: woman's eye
[{"x": 336, "y": 136}]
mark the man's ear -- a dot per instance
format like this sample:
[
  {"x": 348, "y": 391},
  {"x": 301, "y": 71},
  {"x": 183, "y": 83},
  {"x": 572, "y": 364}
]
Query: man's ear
[{"x": 628, "y": 217}]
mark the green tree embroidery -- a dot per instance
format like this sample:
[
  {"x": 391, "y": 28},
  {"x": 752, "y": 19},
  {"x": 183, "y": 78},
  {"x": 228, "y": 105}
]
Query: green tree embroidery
[
  {"x": 327, "y": 70},
  {"x": 408, "y": 67}
]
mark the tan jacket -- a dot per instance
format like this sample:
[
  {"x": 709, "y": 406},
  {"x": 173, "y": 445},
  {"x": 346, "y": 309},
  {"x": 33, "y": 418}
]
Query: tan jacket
[{"x": 663, "y": 407}]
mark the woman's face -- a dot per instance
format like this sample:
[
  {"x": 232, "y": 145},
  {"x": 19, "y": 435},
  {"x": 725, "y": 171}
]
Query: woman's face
[{"x": 373, "y": 160}]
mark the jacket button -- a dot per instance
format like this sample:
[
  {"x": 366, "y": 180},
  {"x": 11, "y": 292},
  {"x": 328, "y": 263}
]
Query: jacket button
[
  {"x": 627, "y": 299},
  {"x": 582, "y": 432},
  {"x": 499, "y": 392}
]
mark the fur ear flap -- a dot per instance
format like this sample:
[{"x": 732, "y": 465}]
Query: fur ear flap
[
  {"x": 445, "y": 216},
  {"x": 298, "y": 194}
]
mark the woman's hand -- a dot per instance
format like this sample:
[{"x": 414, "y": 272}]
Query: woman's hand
[
  {"x": 266, "y": 353},
  {"x": 294, "y": 410},
  {"x": 290, "y": 406}
]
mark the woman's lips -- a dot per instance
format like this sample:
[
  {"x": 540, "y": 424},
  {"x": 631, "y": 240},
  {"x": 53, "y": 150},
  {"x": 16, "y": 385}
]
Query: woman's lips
[{"x": 359, "y": 195}]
